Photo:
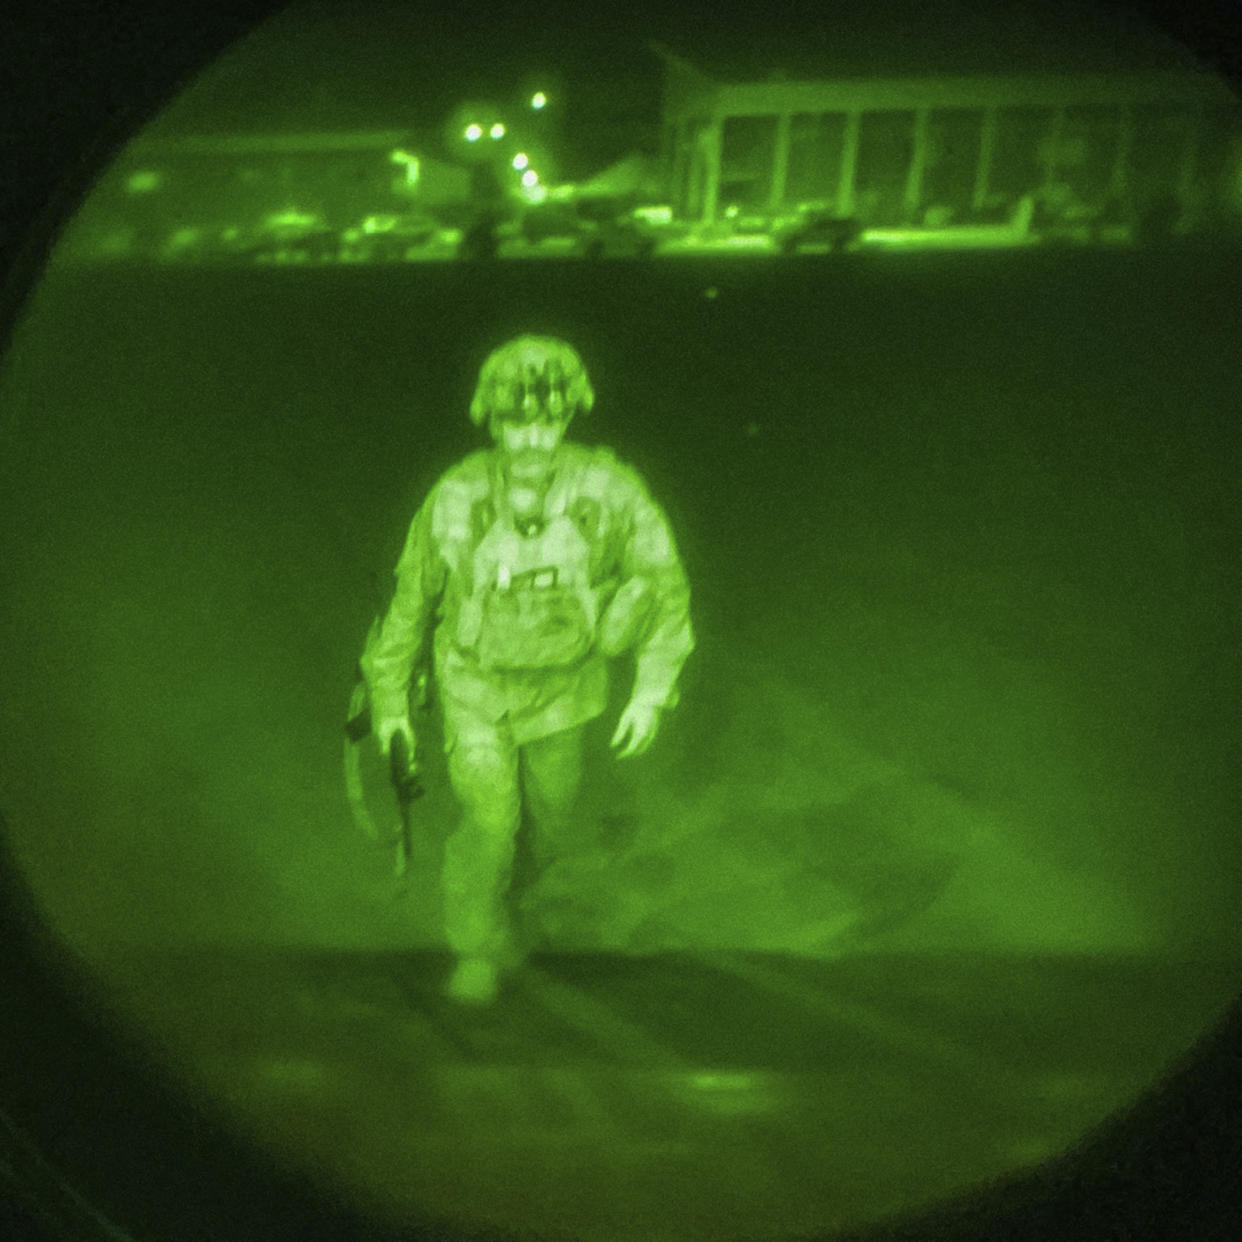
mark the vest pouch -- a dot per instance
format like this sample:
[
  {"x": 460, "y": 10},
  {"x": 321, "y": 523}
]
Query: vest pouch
[{"x": 531, "y": 627}]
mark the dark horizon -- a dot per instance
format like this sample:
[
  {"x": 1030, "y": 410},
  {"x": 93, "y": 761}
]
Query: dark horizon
[{"x": 400, "y": 68}]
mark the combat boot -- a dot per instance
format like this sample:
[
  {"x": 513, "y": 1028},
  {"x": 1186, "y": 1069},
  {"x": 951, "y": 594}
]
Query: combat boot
[{"x": 474, "y": 981}]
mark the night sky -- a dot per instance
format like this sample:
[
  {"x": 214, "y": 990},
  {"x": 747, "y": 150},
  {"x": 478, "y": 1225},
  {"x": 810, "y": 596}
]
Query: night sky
[
  {"x": 385, "y": 65},
  {"x": 393, "y": 65}
]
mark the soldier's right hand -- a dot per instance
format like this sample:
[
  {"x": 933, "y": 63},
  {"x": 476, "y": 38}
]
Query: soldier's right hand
[{"x": 388, "y": 728}]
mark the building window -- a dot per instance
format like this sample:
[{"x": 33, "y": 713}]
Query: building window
[
  {"x": 951, "y": 168},
  {"x": 747, "y": 155},
  {"x": 1219, "y": 163},
  {"x": 1084, "y": 153},
  {"x": 816, "y": 148},
  {"x": 1157, "y": 154},
  {"x": 885, "y": 150},
  {"x": 1020, "y": 157}
]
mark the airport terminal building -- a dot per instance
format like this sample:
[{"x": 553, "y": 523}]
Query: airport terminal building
[
  {"x": 905, "y": 133},
  {"x": 901, "y": 151}
]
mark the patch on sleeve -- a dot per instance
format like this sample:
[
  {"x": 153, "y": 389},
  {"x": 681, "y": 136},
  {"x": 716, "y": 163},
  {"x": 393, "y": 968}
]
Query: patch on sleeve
[{"x": 585, "y": 514}]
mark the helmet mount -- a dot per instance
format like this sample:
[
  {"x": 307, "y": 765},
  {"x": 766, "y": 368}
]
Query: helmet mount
[{"x": 531, "y": 379}]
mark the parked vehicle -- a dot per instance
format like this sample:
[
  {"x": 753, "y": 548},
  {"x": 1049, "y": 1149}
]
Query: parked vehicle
[
  {"x": 389, "y": 238},
  {"x": 818, "y": 229},
  {"x": 293, "y": 236},
  {"x": 597, "y": 228},
  {"x": 213, "y": 244},
  {"x": 559, "y": 225},
  {"x": 624, "y": 237}
]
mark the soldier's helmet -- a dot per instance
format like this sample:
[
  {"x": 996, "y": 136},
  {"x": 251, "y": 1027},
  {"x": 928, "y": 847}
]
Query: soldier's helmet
[{"x": 531, "y": 378}]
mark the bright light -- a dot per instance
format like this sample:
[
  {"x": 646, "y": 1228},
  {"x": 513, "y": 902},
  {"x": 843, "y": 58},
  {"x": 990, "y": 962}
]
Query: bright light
[
  {"x": 474, "y": 133},
  {"x": 291, "y": 216},
  {"x": 657, "y": 214},
  {"x": 520, "y": 161},
  {"x": 411, "y": 162},
  {"x": 733, "y": 1093},
  {"x": 498, "y": 130},
  {"x": 143, "y": 182},
  {"x": 530, "y": 177},
  {"x": 538, "y": 100}
]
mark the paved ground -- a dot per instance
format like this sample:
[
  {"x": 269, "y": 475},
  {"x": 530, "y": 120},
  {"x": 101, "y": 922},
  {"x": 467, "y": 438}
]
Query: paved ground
[
  {"x": 955, "y": 765},
  {"x": 669, "y": 1097}
]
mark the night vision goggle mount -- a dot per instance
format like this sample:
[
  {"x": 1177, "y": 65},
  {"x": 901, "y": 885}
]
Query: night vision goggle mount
[{"x": 532, "y": 378}]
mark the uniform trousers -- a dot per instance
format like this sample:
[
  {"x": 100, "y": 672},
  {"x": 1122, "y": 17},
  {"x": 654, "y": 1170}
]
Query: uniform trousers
[{"x": 493, "y": 779}]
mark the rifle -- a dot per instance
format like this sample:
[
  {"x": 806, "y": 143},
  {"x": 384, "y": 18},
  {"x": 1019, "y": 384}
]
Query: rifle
[
  {"x": 407, "y": 782},
  {"x": 403, "y": 770}
]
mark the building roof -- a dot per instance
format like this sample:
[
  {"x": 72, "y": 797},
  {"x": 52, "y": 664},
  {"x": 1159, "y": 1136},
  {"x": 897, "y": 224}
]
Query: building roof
[
  {"x": 864, "y": 38},
  {"x": 271, "y": 142}
]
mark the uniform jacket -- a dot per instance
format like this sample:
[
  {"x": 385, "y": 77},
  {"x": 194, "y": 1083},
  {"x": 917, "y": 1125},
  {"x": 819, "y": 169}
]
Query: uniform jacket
[{"x": 516, "y": 623}]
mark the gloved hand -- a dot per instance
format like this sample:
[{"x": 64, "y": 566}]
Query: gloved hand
[
  {"x": 388, "y": 727},
  {"x": 636, "y": 730}
]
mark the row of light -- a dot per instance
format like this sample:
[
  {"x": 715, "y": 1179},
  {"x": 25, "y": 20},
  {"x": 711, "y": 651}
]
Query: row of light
[
  {"x": 474, "y": 132},
  {"x": 521, "y": 163}
]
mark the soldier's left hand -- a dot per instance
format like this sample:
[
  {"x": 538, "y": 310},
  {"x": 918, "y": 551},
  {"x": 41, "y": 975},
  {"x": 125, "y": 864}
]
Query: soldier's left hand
[{"x": 636, "y": 729}]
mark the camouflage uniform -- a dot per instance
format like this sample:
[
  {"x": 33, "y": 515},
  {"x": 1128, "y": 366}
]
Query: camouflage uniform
[{"x": 522, "y": 635}]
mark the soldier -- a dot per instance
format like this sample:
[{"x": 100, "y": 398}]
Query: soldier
[{"x": 536, "y": 561}]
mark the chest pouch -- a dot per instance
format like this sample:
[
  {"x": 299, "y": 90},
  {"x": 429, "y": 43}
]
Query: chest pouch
[
  {"x": 531, "y": 626},
  {"x": 531, "y": 606}
]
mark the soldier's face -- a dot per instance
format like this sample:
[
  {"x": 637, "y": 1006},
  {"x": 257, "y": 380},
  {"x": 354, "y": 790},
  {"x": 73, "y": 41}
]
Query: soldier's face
[{"x": 529, "y": 446}]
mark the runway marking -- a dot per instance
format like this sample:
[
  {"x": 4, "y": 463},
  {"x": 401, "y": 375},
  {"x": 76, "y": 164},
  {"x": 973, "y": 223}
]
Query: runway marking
[
  {"x": 625, "y": 1040},
  {"x": 511, "y": 1105},
  {"x": 921, "y": 1044},
  {"x": 580, "y": 1094}
]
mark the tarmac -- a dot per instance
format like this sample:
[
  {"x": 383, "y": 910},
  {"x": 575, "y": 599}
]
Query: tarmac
[{"x": 678, "y": 1097}]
